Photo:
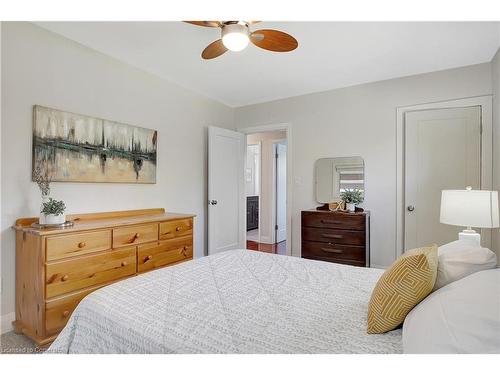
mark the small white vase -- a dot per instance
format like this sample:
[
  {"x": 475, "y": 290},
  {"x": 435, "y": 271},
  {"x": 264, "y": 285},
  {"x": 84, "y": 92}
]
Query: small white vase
[
  {"x": 351, "y": 207},
  {"x": 52, "y": 219},
  {"x": 41, "y": 219}
]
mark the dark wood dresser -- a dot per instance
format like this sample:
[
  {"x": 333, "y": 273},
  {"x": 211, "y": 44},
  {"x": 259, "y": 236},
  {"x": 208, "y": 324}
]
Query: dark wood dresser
[{"x": 339, "y": 237}]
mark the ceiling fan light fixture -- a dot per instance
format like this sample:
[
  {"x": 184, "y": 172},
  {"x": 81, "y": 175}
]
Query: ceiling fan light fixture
[{"x": 235, "y": 37}]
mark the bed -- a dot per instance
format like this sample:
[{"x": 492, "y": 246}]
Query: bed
[{"x": 238, "y": 301}]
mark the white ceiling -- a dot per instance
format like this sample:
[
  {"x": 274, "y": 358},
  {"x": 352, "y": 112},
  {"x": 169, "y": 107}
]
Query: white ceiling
[{"x": 330, "y": 54}]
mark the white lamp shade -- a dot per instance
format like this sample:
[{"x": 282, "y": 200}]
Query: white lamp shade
[{"x": 470, "y": 208}]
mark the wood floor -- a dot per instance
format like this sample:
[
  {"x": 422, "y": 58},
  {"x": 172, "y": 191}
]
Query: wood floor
[{"x": 278, "y": 248}]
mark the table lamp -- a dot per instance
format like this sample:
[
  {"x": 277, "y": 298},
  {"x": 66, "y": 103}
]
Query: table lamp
[{"x": 470, "y": 208}]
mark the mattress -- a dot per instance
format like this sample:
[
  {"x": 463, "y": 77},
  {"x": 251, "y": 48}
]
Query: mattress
[{"x": 238, "y": 301}]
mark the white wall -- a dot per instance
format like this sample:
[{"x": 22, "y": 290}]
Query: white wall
[
  {"x": 39, "y": 67},
  {"x": 495, "y": 70},
  {"x": 266, "y": 220},
  {"x": 359, "y": 121}
]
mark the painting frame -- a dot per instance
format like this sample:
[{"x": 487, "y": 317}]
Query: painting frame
[{"x": 86, "y": 149}]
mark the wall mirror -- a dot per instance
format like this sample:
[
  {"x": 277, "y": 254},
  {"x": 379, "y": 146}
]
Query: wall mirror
[{"x": 334, "y": 175}]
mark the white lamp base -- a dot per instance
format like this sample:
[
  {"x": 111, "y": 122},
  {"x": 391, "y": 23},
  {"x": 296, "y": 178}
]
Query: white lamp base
[{"x": 470, "y": 235}]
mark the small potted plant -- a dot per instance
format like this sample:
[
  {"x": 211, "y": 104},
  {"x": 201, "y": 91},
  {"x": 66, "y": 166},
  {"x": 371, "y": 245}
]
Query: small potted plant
[
  {"x": 53, "y": 212},
  {"x": 352, "y": 197}
]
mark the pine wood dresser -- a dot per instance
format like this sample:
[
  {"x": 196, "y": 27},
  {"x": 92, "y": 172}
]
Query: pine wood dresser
[
  {"x": 339, "y": 237},
  {"x": 56, "y": 268}
]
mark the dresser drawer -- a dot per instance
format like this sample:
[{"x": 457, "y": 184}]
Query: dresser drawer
[
  {"x": 178, "y": 228},
  {"x": 58, "y": 311},
  {"x": 333, "y": 220},
  {"x": 348, "y": 237},
  {"x": 161, "y": 253},
  {"x": 135, "y": 234},
  {"x": 333, "y": 252},
  {"x": 71, "y": 275},
  {"x": 60, "y": 247},
  {"x": 341, "y": 261}
]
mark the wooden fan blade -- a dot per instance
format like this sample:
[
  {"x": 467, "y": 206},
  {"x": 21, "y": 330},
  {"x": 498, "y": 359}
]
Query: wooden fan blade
[
  {"x": 205, "y": 23},
  {"x": 213, "y": 50},
  {"x": 273, "y": 40}
]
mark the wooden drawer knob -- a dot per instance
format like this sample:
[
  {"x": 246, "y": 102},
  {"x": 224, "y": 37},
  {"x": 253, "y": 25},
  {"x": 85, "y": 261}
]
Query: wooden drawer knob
[
  {"x": 137, "y": 235},
  {"x": 149, "y": 257},
  {"x": 124, "y": 264},
  {"x": 81, "y": 244},
  {"x": 185, "y": 248},
  {"x": 178, "y": 229},
  {"x": 65, "y": 313},
  {"x": 65, "y": 277}
]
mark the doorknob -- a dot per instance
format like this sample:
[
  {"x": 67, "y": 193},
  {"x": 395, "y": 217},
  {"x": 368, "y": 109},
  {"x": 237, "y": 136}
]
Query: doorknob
[
  {"x": 213, "y": 202},
  {"x": 411, "y": 208}
]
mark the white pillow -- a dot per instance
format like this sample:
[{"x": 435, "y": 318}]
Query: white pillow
[
  {"x": 461, "y": 258},
  {"x": 462, "y": 317}
]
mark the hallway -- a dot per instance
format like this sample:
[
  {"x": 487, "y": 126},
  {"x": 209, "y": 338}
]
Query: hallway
[{"x": 279, "y": 248}]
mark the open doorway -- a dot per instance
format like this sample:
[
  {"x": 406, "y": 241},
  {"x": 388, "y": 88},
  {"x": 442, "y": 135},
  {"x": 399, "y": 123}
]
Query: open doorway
[{"x": 266, "y": 189}]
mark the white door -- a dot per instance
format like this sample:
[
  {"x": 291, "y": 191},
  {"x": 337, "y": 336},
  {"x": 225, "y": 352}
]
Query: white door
[
  {"x": 280, "y": 192},
  {"x": 443, "y": 151},
  {"x": 226, "y": 190}
]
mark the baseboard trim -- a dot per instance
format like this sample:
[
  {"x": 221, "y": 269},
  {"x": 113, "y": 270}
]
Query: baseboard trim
[{"x": 7, "y": 320}]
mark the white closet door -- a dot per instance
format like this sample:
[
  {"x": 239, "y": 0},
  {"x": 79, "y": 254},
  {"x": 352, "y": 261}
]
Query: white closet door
[{"x": 442, "y": 151}]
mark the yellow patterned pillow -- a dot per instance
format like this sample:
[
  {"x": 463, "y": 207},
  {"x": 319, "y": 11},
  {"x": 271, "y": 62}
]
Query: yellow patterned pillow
[{"x": 402, "y": 286}]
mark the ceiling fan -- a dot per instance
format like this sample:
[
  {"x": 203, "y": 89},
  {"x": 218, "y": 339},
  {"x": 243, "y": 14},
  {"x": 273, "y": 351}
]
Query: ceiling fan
[{"x": 235, "y": 36}]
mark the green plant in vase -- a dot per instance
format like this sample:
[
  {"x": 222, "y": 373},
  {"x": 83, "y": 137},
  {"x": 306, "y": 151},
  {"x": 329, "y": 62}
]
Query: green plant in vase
[
  {"x": 351, "y": 197},
  {"x": 52, "y": 210},
  {"x": 53, "y": 207}
]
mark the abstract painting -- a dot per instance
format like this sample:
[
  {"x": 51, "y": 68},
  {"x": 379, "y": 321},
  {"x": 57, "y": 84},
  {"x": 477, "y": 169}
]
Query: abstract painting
[{"x": 78, "y": 148}]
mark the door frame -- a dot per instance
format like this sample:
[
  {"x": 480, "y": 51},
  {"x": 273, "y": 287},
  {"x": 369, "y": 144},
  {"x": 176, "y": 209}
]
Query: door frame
[
  {"x": 275, "y": 188},
  {"x": 289, "y": 178},
  {"x": 485, "y": 102},
  {"x": 260, "y": 186}
]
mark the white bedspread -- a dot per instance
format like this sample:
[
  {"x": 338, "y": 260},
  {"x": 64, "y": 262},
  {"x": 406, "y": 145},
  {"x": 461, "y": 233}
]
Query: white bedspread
[{"x": 238, "y": 301}]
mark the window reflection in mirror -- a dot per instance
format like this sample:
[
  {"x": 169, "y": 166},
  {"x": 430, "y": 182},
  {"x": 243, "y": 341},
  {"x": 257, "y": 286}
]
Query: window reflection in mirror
[
  {"x": 351, "y": 177},
  {"x": 335, "y": 175}
]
